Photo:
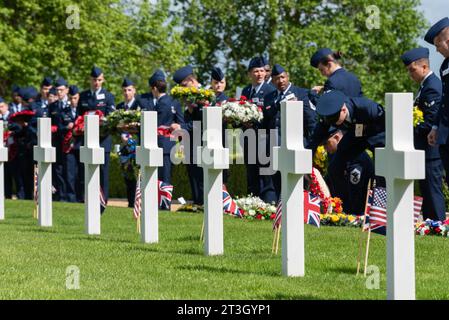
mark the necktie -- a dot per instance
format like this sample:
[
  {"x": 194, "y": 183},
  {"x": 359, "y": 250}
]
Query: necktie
[{"x": 253, "y": 93}]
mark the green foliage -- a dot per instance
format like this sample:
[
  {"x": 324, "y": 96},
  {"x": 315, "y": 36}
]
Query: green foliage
[
  {"x": 125, "y": 38},
  {"x": 289, "y": 32}
]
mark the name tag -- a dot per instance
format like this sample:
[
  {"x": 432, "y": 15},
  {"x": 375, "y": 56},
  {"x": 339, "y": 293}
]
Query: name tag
[
  {"x": 445, "y": 72},
  {"x": 290, "y": 97},
  {"x": 173, "y": 109},
  {"x": 101, "y": 96},
  {"x": 359, "y": 130}
]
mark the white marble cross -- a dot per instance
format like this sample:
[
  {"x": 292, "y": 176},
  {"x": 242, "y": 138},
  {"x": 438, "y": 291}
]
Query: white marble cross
[
  {"x": 3, "y": 159},
  {"x": 92, "y": 156},
  {"x": 149, "y": 156},
  {"x": 45, "y": 155},
  {"x": 400, "y": 164},
  {"x": 213, "y": 159},
  {"x": 293, "y": 161}
]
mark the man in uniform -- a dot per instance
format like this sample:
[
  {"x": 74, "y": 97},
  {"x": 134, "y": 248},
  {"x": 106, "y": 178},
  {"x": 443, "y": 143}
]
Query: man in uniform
[
  {"x": 42, "y": 100},
  {"x": 16, "y": 103},
  {"x": 257, "y": 91},
  {"x": 4, "y": 115},
  {"x": 362, "y": 119},
  {"x": 169, "y": 118},
  {"x": 98, "y": 98},
  {"x": 428, "y": 101},
  {"x": 358, "y": 171},
  {"x": 193, "y": 117},
  {"x": 286, "y": 91},
  {"x": 438, "y": 35}
]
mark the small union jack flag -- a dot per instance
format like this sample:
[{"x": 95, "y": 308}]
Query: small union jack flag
[
  {"x": 165, "y": 195},
  {"x": 312, "y": 210},
  {"x": 229, "y": 205}
]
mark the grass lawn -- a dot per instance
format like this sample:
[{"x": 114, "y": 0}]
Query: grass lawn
[{"x": 116, "y": 265}]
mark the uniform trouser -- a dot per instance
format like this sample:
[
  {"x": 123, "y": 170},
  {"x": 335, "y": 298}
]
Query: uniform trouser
[
  {"x": 444, "y": 153},
  {"x": 164, "y": 172},
  {"x": 8, "y": 180},
  {"x": 71, "y": 174},
  {"x": 80, "y": 180},
  {"x": 22, "y": 170},
  {"x": 59, "y": 175},
  {"x": 431, "y": 187},
  {"x": 104, "y": 176},
  {"x": 196, "y": 179},
  {"x": 130, "y": 191}
]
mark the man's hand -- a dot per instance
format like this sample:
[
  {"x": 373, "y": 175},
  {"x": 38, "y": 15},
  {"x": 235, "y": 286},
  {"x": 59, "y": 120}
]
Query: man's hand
[
  {"x": 175, "y": 126},
  {"x": 70, "y": 126},
  {"x": 318, "y": 89},
  {"x": 432, "y": 137}
]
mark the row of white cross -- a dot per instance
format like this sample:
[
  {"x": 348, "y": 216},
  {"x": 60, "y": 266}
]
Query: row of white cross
[{"x": 398, "y": 162}]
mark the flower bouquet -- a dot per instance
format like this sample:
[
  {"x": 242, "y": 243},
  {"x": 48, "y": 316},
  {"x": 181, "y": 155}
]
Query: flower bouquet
[
  {"x": 254, "y": 208},
  {"x": 193, "y": 95},
  {"x": 430, "y": 227},
  {"x": 320, "y": 160},
  {"x": 241, "y": 113},
  {"x": 124, "y": 121},
  {"x": 418, "y": 116}
]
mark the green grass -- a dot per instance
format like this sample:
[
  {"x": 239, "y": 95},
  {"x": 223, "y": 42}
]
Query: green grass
[{"x": 116, "y": 265}]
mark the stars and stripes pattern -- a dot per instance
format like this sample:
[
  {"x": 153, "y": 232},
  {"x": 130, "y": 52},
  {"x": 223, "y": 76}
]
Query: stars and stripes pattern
[
  {"x": 103, "y": 202},
  {"x": 377, "y": 210},
  {"x": 36, "y": 192},
  {"x": 165, "y": 195},
  {"x": 312, "y": 210},
  {"x": 229, "y": 205},
  {"x": 137, "y": 200}
]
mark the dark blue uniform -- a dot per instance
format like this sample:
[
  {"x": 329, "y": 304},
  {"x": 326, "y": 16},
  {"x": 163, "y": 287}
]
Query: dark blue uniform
[
  {"x": 103, "y": 101},
  {"x": 147, "y": 101},
  {"x": 428, "y": 101},
  {"x": 130, "y": 181},
  {"x": 55, "y": 109},
  {"x": 72, "y": 171},
  {"x": 365, "y": 115},
  {"x": 443, "y": 116},
  {"x": 353, "y": 187},
  {"x": 272, "y": 121},
  {"x": 221, "y": 97},
  {"x": 341, "y": 80},
  {"x": 169, "y": 111},
  {"x": 258, "y": 185},
  {"x": 195, "y": 172}
]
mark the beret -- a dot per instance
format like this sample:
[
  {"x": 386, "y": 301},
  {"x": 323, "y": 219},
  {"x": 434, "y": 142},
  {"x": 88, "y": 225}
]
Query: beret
[
  {"x": 158, "y": 75},
  {"x": 217, "y": 74},
  {"x": 436, "y": 29},
  {"x": 330, "y": 103},
  {"x": 277, "y": 70},
  {"x": 182, "y": 73},
  {"x": 414, "y": 54},
  {"x": 319, "y": 55}
]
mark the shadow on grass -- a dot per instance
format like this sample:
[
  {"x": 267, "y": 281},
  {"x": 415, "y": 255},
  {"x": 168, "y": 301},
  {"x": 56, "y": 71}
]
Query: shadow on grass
[
  {"x": 345, "y": 270},
  {"x": 282, "y": 296},
  {"x": 227, "y": 270}
]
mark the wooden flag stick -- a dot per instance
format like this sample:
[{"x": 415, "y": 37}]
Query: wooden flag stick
[
  {"x": 278, "y": 238},
  {"x": 202, "y": 232},
  {"x": 367, "y": 252},
  {"x": 359, "y": 257},
  {"x": 138, "y": 226},
  {"x": 274, "y": 240}
]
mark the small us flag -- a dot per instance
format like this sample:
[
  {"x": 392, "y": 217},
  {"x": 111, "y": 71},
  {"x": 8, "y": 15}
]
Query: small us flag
[
  {"x": 137, "y": 200},
  {"x": 103, "y": 202}
]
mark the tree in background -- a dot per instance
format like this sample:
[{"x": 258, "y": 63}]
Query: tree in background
[
  {"x": 230, "y": 32},
  {"x": 66, "y": 38}
]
